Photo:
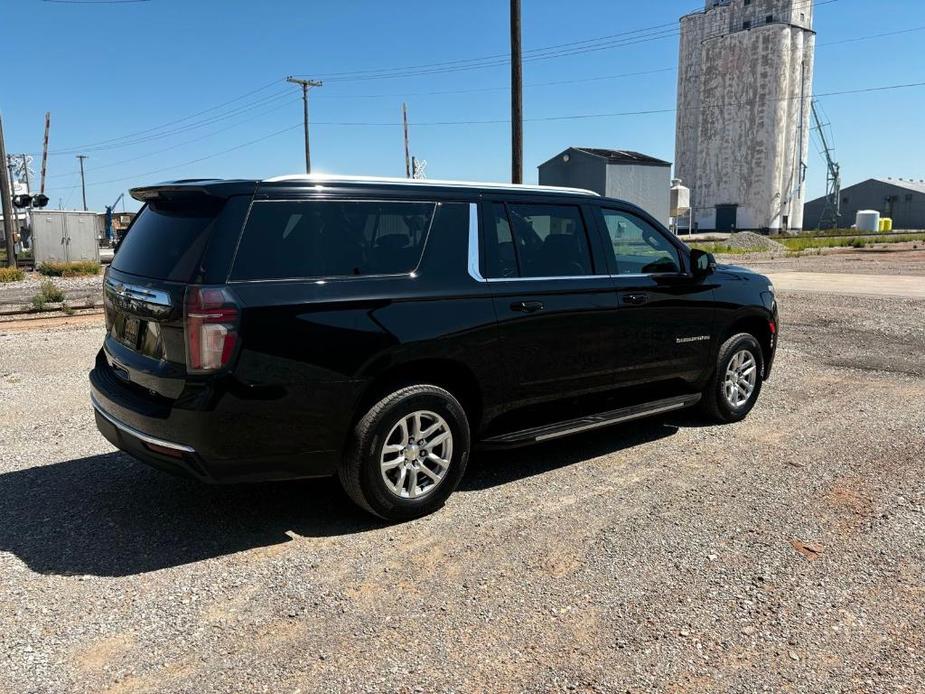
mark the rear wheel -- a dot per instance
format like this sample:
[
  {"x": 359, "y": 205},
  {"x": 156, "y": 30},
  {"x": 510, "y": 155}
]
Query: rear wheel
[
  {"x": 408, "y": 453},
  {"x": 736, "y": 383}
]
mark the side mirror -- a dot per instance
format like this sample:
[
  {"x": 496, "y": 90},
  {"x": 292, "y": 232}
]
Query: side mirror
[{"x": 702, "y": 263}]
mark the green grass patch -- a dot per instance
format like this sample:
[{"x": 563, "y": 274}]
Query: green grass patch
[
  {"x": 800, "y": 243},
  {"x": 79, "y": 268},
  {"x": 719, "y": 248},
  {"x": 11, "y": 274},
  {"x": 48, "y": 293}
]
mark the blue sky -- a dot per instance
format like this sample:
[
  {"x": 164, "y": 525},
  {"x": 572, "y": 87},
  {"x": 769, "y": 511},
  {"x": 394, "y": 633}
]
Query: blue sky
[{"x": 144, "y": 69}]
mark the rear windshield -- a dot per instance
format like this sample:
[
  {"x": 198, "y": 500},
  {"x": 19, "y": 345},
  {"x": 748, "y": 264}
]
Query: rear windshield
[
  {"x": 166, "y": 241},
  {"x": 299, "y": 239}
]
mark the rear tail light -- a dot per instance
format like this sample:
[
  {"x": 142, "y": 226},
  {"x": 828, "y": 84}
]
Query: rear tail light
[{"x": 211, "y": 326}]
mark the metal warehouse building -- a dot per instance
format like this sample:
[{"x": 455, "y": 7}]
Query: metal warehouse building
[
  {"x": 901, "y": 200},
  {"x": 615, "y": 173}
]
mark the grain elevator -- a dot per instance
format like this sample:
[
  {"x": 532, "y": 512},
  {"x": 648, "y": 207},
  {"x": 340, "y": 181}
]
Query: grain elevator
[{"x": 744, "y": 90}]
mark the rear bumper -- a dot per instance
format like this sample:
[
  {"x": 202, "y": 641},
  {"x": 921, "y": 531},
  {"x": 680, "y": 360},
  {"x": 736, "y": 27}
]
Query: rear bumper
[
  {"x": 183, "y": 441},
  {"x": 165, "y": 455}
]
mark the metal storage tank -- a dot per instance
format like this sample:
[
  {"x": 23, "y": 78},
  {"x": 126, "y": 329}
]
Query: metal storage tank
[
  {"x": 868, "y": 220},
  {"x": 65, "y": 236},
  {"x": 680, "y": 205}
]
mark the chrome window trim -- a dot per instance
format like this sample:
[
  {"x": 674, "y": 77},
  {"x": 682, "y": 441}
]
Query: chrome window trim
[
  {"x": 475, "y": 271},
  {"x": 474, "y": 265},
  {"x": 122, "y": 426},
  {"x": 138, "y": 293}
]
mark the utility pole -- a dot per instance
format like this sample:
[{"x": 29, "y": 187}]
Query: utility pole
[
  {"x": 517, "y": 122},
  {"x": 306, "y": 85},
  {"x": 7, "y": 206},
  {"x": 404, "y": 115},
  {"x": 25, "y": 171},
  {"x": 45, "y": 152},
  {"x": 83, "y": 185}
]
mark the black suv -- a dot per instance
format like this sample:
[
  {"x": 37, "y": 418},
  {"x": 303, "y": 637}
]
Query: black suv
[{"x": 379, "y": 329}]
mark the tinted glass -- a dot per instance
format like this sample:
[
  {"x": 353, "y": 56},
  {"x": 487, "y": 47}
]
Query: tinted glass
[
  {"x": 550, "y": 240},
  {"x": 639, "y": 249},
  {"x": 499, "y": 246},
  {"x": 330, "y": 239},
  {"x": 166, "y": 241}
]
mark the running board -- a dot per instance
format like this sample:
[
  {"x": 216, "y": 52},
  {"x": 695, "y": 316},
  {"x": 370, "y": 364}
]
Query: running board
[{"x": 594, "y": 421}]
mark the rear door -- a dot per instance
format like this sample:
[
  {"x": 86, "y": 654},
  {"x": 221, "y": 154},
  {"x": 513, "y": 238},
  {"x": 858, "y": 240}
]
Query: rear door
[
  {"x": 665, "y": 327},
  {"x": 164, "y": 251},
  {"x": 553, "y": 298}
]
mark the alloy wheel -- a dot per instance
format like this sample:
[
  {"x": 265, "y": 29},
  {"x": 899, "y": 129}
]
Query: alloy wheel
[{"x": 416, "y": 455}]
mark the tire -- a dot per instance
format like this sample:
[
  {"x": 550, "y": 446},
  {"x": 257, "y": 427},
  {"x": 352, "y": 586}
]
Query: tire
[
  {"x": 367, "y": 470},
  {"x": 715, "y": 403}
]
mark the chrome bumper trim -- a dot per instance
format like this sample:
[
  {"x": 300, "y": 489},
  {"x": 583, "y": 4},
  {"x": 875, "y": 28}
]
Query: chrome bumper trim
[{"x": 122, "y": 426}]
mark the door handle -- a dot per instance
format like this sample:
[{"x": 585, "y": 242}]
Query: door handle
[
  {"x": 635, "y": 299},
  {"x": 527, "y": 306}
]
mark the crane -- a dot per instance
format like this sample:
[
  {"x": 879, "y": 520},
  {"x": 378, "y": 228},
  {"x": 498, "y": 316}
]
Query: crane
[
  {"x": 832, "y": 209},
  {"x": 109, "y": 209}
]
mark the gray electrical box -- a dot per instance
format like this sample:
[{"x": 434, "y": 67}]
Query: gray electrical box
[{"x": 66, "y": 235}]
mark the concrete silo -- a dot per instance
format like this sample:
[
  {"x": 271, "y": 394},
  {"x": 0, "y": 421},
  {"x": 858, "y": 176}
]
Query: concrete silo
[{"x": 744, "y": 92}]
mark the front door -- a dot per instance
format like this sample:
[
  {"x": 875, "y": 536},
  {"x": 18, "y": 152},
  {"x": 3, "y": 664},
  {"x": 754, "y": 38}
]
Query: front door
[
  {"x": 665, "y": 326},
  {"x": 553, "y": 298}
]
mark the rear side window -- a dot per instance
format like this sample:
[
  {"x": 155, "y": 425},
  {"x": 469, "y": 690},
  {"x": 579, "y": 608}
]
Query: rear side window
[
  {"x": 167, "y": 240},
  {"x": 301, "y": 239},
  {"x": 537, "y": 241}
]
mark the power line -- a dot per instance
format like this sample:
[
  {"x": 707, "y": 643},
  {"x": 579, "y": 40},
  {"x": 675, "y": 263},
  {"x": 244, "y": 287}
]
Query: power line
[
  {"x": 193, "y": 161},
  {"x": 870, "y": 37},
  {"x": 583, "y": 116},
  {"x": 626, "y": 38},
  {"x": 276, "y": 97},
  {"x": 205, "y": 136},
  {"x": 180, "y": 120},
  {"x": 484, "y": 122}
]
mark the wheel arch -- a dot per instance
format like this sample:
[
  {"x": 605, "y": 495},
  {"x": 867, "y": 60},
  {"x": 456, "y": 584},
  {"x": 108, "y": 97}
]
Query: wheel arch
[
  {"x": 758, "y": 325},
  {"x": 453, "y": 376}
]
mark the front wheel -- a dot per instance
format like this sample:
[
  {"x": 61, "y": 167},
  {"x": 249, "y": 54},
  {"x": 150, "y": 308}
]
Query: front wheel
[
  {"x": 734, "y": 387},
  {"x": 407, "y": 454}
]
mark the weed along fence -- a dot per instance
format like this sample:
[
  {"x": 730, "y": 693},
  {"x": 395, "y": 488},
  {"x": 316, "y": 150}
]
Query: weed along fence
[{"x": 66, "y": 236}]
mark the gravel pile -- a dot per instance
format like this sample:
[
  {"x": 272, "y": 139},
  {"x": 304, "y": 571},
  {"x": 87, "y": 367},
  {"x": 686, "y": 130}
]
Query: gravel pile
[
  {"x": 782, "y": 553},
  {"x": 750, "y": 241}
]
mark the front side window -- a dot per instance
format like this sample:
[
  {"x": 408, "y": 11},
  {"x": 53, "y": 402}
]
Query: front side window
[
  {"x": 313, "y": 238},
  {"x": 638, "y": 248},
  {"x": 537, "y": 241}
]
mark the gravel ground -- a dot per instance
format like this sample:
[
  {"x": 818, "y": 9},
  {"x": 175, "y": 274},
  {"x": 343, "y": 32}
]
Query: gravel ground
[
  {"x": 890, "y": 259},
  {"x": 783, "y": 553}
]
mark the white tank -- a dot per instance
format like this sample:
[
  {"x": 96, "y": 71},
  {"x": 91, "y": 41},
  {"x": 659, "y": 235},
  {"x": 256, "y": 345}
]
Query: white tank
[
  {"x": 680, "y": 198},
  {"x": 867, "y": 220}
]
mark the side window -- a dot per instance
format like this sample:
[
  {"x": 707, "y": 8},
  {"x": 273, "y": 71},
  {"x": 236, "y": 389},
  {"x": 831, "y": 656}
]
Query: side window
[
  {"x": 550, "y": 241},
  {"x": 639, "y": 248},
  {"x": 300, "y": 239},
  {"x": 499, "y": 245}
]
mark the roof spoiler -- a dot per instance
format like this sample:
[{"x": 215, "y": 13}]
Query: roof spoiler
[{"x": 190, "y": 188}]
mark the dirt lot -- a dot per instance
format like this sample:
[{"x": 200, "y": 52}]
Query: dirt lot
[{"x": 783, "y": 553}]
